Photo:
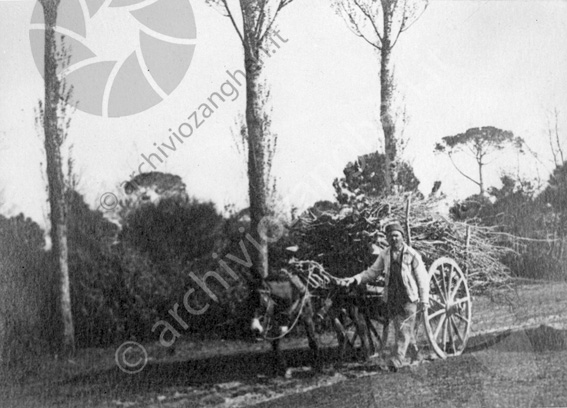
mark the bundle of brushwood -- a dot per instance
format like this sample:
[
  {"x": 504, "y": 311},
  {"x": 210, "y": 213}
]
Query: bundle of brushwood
[{"x": 348, "y": 240}]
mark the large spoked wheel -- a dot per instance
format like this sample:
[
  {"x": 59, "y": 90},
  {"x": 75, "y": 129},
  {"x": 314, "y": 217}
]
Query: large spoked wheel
[{"x": 448, "y": 319}]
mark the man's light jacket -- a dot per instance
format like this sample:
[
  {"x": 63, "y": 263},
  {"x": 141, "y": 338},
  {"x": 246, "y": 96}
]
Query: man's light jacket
[{"x": 414, "y": 275}]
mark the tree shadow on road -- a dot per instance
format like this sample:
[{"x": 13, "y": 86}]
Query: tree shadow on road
[
  {"x": 538, "y": 339},
  {"x": 156, "y": 376}
]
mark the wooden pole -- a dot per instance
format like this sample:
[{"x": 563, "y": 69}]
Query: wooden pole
[
  {"x": 467, "y": 245},
  {"x": 408, "y": 231}
]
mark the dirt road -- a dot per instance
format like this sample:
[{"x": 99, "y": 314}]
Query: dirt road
[
  {"x": 512, "y": 361},
  {"x": 517, "y": 357},
  {"x": 510, "y": 373}
]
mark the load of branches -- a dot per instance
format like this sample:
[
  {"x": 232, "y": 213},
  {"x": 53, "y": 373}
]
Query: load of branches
[{"x": 347, "y": 239}]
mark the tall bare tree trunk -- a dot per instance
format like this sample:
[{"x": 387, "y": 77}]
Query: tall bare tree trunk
[
  {"x": 480, "y": 178},
  {"x": 257, "y": 18},
  {"x": 53, "y": 139},
  {"x": 387, "y": 118},
  {"x": 380, "y": 23},
  {"x": 256, "y": 161}
]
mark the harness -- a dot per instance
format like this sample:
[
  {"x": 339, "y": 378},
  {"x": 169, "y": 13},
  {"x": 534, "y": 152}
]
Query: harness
[
  {"x": 271, "y": 303},
  {"x": 313, "y": 274}
]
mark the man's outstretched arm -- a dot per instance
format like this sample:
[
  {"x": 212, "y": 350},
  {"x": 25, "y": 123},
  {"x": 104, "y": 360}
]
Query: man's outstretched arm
[{"x": 368, "y": 275}]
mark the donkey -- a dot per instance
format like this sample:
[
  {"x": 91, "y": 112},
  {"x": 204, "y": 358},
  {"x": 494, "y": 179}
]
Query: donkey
[{"x": 278, "y": 305}]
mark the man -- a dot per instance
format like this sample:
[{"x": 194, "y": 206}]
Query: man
[{"x": 407, "y": 283}]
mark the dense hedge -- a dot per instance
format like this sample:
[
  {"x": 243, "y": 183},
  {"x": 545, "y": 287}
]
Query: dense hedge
[
  {"x": 25, "y": 289},
  {"x": 125, "y": 280}
]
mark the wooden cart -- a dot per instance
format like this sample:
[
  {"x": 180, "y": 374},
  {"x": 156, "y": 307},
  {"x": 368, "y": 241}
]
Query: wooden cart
[{"x": 446, "y": 323}]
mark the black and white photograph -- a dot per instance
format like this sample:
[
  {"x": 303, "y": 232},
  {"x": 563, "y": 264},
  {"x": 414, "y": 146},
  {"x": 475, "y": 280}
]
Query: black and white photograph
[{"x": 283, "y": 203}]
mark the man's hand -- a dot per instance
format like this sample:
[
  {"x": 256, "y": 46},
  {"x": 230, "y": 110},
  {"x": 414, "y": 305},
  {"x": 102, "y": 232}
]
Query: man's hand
[{"x": 346, "y": 282}]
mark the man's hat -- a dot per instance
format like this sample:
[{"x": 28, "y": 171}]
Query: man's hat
[{"x": 395, "y": 226}]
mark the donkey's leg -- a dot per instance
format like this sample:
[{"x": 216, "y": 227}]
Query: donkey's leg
[
  {"x": 280, "y": 365},
  {"x": 312, "y": 339},
  {"x": 362, "y": 331},
  {"x": 371, "y": 330},
  {"x": 341, "y": 335},
  {"x": 346, "y": 321}
]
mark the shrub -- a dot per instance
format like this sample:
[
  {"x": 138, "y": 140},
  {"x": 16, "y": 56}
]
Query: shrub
[
  {"x": 122, "y": 282},
  {"x": 25, "y": 295},
  {"x": 530, "y": 225}
]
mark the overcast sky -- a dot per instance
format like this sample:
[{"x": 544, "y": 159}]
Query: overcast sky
[{"x": 463, "y": 64}]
